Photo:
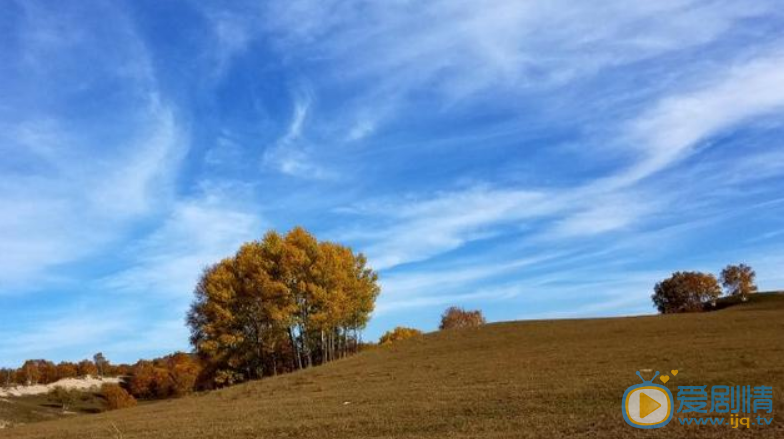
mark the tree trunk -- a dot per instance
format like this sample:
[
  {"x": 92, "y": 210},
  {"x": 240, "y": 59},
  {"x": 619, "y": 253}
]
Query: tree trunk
[
  {"x": 324, "y": 351},
  {"x": 306, "y": 346},
  {"x": 295, "y": 347}
]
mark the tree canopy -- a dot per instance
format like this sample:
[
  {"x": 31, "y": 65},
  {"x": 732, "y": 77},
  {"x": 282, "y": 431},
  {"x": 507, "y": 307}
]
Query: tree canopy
[
  {"x": 686, "y": 291},
  {"x": 281, "y": 303},
  {"x": 738, "y": 280}
]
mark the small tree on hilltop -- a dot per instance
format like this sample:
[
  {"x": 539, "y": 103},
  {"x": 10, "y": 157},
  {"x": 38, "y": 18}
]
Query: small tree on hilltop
[
  {"x": 685, "y": 292},
  {"x": 455, "y": 317},
  {"x": 397, "y": 334},
  {"x": 738, "y": 280}
]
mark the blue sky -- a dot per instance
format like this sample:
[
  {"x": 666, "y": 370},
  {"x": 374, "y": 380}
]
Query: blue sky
[{"x": 532, "y": 159}]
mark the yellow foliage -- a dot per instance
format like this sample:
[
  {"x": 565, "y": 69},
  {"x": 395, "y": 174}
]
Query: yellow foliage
[
  {"x": 280, "y": 303},
  {"x": 397, "y": 334}
]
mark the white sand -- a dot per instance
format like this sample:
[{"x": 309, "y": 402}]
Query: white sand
[{"x": 86, "y": 383}]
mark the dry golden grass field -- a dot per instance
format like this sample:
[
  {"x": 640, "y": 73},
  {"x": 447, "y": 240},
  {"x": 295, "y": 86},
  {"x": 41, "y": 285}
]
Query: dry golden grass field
[{"x": 544, "y": 379}]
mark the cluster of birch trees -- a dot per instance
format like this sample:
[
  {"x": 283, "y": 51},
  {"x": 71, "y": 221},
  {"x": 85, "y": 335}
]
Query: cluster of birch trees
[{"x": 280, "y": 304}]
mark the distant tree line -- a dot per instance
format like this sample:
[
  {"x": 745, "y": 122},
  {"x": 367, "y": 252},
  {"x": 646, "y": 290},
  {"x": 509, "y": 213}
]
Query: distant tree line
[
  {"x": 280, "y": 304},
  {"x": 692, "y": 291},
  {"x": 34, "y": 372},
  {"x": 166, "y": 377}
]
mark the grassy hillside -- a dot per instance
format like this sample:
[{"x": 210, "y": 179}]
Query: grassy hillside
[
  {"x": 518, "y": 379},
  {"x": 37, "y": 408}
]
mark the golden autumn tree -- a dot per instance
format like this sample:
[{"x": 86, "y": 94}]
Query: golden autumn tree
[
  {"x": 87, "y": 367},
  {"x": 343, "y": 296},
  {"x": 141, "y": 383},
  {"x": 184, "y": 371},
  {"x": 48, "y": 372},
  {"x": 170, "y": 376},
  {"x": 281, "y": 303},
  {"x": 398, "y": 334},
  {"x": 67, "y": 370},
  {"x": 738, "y": 280},
  {"x": 298, "y": 270}
]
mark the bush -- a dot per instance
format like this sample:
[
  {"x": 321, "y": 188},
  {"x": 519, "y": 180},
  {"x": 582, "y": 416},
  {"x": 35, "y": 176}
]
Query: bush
[
  {"x": 142, "y": 380},
  {"x": 397, "y": 334},
  {"x": 171, "y": 376},
  {"x": 63, "y": 397},
  {"x": 115, "y": 397},
  {"x": 455, "y": 317}
]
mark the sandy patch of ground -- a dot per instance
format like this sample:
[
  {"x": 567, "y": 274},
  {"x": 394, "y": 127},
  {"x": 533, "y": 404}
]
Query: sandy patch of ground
[{"x": 84, "y": 384}]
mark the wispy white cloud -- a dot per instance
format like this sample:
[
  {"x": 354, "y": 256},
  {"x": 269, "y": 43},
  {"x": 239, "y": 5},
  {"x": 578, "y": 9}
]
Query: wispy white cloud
[
  {"x": 678, "y": 123},
  {"x": 393, "y": 50},
  {"x": 664, "y": 135},
  {"x": 291, "y": 152},
  {"x": 363, "y": 127},
  {"x": 602, "y": 214},
  {"x": 420, "y": 229},
  {"x": 73, "y": 186},
  {"x": 197, "y": 233},
  {"x": 412, "y": 284},
  {"x": 78, "y": 205},
  {"x": 144, "y": 176}
]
